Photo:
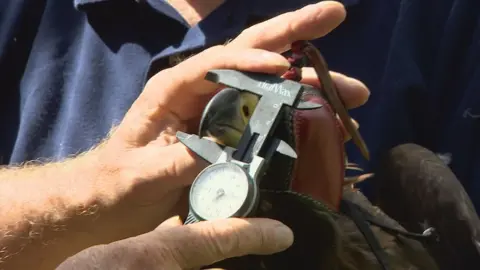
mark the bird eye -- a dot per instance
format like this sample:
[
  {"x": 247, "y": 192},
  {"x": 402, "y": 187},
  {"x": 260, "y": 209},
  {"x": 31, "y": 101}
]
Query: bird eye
[{"x": 246, "y": 110}]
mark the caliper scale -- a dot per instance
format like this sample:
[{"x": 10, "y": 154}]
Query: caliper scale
[{"x": 229, "y": 187}]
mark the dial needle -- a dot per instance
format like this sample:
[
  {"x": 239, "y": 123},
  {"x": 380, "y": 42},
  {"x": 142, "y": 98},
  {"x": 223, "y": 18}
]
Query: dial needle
[{"x": 220, "y": 193}]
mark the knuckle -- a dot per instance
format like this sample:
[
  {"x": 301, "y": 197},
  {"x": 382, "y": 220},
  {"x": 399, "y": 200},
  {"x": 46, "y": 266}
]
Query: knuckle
[
  {"x": 218, "y": 55},
  {"x": 158, "y": 80},
  {"x": 291, "y": 30},
  {"x": 182, "y": 250},
  {"x": 203, "y": 245},
  {"x": 249, "y": 31},
  {"x": 264, "y": 238},
  {"x": 140, "y": 255},
  {"x": 267, "y": 26},
  {"x": 164, "y": 258},
  {"x": 215, "y": 49},
  {"x": 234, "y": 239},
  {"x": 224, "y": 240}
]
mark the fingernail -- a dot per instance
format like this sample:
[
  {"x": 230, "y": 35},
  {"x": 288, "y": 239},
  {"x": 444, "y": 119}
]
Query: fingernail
[
  {"x": 171, "y": 223},
  {"x": 283, "y": 236},
  {"x": 172, "y": 219},
  {"x": 330, "y": 3},
  {"x": 177, "y": 218},
  {"x": 353, "y": 90},
  {"x": 356, "y": 83}
]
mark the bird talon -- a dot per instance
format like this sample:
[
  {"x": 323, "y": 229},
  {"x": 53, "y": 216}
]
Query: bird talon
[{"x": 352, "y": 180}]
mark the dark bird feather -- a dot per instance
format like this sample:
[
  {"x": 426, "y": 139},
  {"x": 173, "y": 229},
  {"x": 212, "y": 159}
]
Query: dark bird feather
[
  {"x": 417, "y": 188},
  {"x": 326, "y": 239}
]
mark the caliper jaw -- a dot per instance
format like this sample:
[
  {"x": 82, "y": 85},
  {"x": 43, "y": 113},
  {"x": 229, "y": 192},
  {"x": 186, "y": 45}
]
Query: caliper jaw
[
  {"x": 209, "y": 151},
  {"x": 213, "y": 152}
]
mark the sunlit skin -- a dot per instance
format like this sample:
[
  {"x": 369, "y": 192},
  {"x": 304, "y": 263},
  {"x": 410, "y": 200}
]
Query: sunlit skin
[{"x": 227, "y": 115}]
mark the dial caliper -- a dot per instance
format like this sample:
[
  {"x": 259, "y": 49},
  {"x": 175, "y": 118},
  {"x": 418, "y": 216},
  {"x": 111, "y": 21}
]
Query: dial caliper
[{"x": 229, "y": 186}]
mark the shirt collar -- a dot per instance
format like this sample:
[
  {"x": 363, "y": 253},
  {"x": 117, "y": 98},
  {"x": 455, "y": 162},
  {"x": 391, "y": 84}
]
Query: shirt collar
[{"x": 264, "y": 7}]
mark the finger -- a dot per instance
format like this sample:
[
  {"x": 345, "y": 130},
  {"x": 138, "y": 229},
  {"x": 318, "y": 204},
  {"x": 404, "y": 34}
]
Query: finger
[
  {"x": 353, "y": 92},
  {"x": 181, "y": 92},
  {"x": 311, "y": 22},
  {"x": 170, "y": 223},
  {"x": 162, "y": 90},
  {"x": 204, "y": 243}
]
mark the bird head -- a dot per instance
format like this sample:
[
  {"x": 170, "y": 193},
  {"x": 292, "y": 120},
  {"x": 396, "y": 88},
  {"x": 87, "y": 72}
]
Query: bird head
[{"x": 226, "y": 116}]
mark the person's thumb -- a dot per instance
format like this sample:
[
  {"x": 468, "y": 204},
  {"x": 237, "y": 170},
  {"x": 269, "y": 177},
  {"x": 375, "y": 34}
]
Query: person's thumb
[{"x": 205, "y": 243}]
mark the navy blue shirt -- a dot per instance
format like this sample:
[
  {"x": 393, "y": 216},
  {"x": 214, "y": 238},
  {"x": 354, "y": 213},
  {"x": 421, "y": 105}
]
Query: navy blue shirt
[{"x": 69, "y": 70}]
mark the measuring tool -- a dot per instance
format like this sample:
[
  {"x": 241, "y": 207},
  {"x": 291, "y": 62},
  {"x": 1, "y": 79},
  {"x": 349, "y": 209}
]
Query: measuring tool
[{"x": 229, "y": 187}]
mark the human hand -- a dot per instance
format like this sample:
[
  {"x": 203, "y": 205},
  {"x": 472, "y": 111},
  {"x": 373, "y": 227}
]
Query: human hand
[
  {"x": 142, "y": 163},
  {"x": 173, "y": 246}
]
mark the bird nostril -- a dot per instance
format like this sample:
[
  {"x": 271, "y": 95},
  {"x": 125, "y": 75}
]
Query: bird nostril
[{"x": 246, "y": 111}]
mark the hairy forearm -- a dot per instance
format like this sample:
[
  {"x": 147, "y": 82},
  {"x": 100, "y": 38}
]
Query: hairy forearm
[{"x": 48, "y": 212}]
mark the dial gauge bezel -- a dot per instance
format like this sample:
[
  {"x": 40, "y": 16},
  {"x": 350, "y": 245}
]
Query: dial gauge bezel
[{"x": 208, "y": 191}]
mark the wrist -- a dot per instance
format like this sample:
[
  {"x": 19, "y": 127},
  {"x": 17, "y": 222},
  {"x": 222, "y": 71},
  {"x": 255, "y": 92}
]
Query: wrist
[
  {"x": 109, "y": 182},
  {"x": 85, "y": 198},
  {"x": 98, "y": 197},
  {"x": 93, "y": 181}
]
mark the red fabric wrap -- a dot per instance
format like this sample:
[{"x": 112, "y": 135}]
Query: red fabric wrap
[{"x": 320, "y": 167}]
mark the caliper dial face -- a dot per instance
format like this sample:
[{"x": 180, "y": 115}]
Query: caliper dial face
[{"x": 222, "y": 190}]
